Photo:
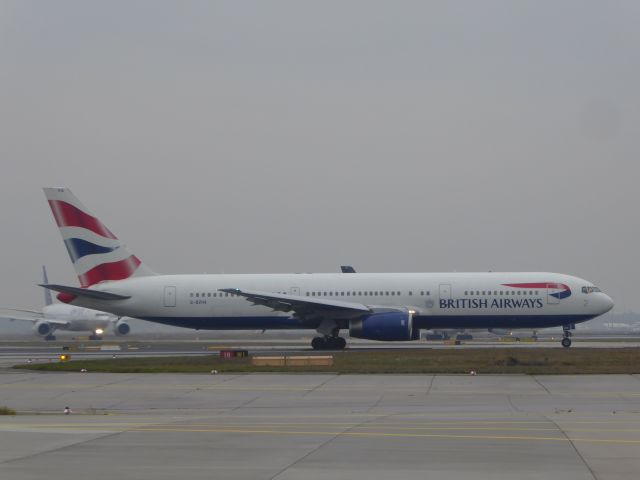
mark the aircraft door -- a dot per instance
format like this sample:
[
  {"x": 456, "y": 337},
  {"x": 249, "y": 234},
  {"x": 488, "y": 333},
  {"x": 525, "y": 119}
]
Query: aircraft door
[
  {"x": 552, "y": 293},
  {"x": 169, "y": 296},
  {"x": 445, "y": 291},
  {"x": 295, "y": 291}
]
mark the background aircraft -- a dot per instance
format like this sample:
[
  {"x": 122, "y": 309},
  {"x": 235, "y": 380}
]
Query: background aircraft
[{"x": 60, "y": 316}]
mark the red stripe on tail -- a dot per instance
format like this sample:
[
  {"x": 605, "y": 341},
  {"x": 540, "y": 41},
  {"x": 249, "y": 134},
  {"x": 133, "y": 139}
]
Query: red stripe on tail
[
  {"x": 67, "y": 215},
  {"x": 110, "y": 271}
]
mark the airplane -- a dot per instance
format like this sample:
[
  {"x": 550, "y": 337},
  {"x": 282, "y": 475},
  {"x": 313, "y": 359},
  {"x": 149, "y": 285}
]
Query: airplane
[
  {"x": 60, "y": 316},
  {"x": 374, "y": 306}
]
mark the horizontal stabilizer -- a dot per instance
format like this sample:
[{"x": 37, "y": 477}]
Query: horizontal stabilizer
[{"x": 85, "y": 292}]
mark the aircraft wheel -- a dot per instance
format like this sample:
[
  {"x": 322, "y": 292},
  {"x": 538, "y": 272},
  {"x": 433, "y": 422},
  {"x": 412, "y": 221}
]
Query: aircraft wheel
[
  {"x": 566, "y": 342},
  {"x": 318, "y": 343},
  {"x": 50, "y": 338},
  {"x": 335, "y": 343}
]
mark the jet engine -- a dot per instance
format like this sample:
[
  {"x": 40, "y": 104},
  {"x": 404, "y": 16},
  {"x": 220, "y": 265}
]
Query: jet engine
[
  {"x": 385, "y": 326},
  {"x": 43, "y": 328},
  {"x": 121, "y": 328}
]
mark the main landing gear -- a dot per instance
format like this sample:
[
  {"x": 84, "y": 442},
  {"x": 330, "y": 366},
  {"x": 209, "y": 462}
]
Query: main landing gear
[
  {"x": 328, "y": 343},
  {"x": 50, "y": 338},
  {"x": 329, "y": 340},
  {"x": 566, "y": 335}
]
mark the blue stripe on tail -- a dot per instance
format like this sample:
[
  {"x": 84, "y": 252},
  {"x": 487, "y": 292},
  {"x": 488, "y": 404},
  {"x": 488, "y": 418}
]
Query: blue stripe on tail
[{"x": 79, "y": 248}]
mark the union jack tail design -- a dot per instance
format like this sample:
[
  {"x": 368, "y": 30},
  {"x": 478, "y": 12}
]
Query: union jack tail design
[{"x": 96, "y": 253}]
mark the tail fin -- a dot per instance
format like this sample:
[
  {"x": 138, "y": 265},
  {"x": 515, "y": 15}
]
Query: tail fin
[
  {"x": 96, "y": 253},
  {"x": 47, "y": 293}
]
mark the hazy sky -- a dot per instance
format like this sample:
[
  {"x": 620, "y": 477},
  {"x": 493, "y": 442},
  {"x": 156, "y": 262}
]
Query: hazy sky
[{"x": 289, "y": 136}]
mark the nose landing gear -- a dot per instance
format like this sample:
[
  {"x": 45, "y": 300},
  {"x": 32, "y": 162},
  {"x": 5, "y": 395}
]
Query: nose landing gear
[{"x": 566, "y": 335}]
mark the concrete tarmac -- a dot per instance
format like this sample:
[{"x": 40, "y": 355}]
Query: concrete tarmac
[{"x": 319, "y": 426}]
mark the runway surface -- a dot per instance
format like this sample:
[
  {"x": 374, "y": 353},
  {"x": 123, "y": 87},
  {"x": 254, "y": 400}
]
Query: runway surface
[{"x": 273, "y": 426}]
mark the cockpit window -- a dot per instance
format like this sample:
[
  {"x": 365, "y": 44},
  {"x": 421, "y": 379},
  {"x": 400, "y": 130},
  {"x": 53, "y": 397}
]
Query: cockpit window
[{"x": 590, "y": 289}]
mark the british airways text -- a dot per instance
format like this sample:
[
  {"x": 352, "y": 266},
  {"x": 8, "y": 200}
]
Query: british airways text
[{"x": 473, "y": 303}]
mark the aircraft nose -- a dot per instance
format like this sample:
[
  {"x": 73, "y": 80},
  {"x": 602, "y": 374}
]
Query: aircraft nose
[{"x": 606, "y": 303}]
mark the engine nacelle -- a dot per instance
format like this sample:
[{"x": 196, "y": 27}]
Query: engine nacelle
[
  {"x": 43, "y": 328},
  {"x": 121, "y": 328},
  {"x": 385, "y": 326}
]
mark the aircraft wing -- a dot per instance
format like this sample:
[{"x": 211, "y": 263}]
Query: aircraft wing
[
  {"x": 305, "y": 308},
  {"x": 12, "y": 314},
  {"x": 29, "y": 316}
]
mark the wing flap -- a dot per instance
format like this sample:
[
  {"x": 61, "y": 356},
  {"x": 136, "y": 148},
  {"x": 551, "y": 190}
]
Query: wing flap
[{"x": 301, "y": 306}]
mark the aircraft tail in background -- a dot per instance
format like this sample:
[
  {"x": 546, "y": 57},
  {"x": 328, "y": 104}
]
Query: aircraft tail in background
[{"x": 47, "y": 293}]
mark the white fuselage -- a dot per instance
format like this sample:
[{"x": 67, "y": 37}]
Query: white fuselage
[
  {"x": 77, "y": 319},
  {"x": 439, "y": 300}
]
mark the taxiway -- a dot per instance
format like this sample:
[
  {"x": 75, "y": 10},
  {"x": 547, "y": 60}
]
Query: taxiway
[{"x": 322, "y": 426}]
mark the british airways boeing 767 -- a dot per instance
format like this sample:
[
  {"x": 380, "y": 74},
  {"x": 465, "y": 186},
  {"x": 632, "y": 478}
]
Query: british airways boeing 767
[{"x": 376, "y": 306}]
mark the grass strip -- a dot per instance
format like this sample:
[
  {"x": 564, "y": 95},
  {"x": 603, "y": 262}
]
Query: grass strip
[{"x": 551, "y": 360}]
